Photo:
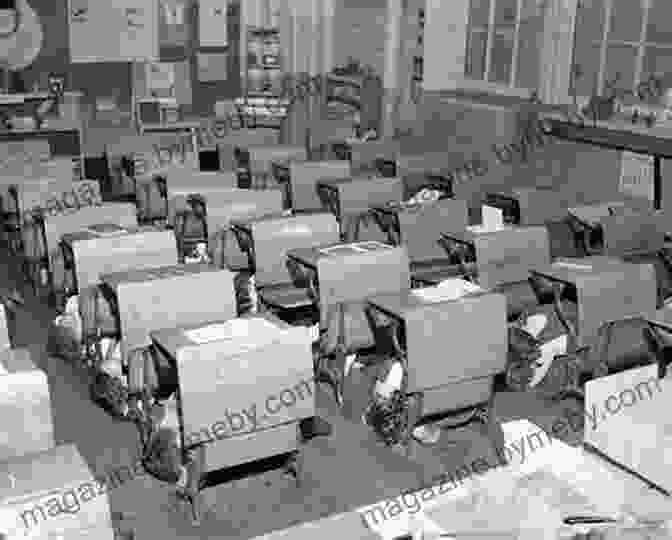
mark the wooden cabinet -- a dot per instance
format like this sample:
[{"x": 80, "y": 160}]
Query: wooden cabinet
[{"x": 119, "y": 31}]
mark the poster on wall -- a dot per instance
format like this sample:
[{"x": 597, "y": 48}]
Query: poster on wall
[
  {"x": 636, "y": 176},
  {"x": 212, "y": 66},
  {"x": 212, "y": 23},
  {"x": 173, "y": 27},
  {"x": 79, "y": 11}
]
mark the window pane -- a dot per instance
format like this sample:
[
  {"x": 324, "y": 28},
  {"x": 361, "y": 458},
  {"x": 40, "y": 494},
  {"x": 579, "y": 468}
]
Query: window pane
[
  {"x": 475, "y": 62},
  {"x": 505, "y": 12},
  {"x": 587, "y": 36},
  {"x": 626, "y": 20},
  {"x": 620, "y": 61},
  {"x": 529, "y": 46},
  {"x": 590, "y": 19},
  {"x": 502, "y": 53},
  {"x": 588, "y": 61},
  {"x": 656, "y": 61},
  {"x": 479, "y": 13},
  {"x": 660, "y": 15}
]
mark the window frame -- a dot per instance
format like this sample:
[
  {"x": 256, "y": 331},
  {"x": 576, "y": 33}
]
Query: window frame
[
  {"x": 641, "y": 46},
  {"x": 489, "y": 45}
]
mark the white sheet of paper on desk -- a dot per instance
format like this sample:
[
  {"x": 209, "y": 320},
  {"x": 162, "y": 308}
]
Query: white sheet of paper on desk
[
  {"x": 493, "y": 218},
  {"x": 481, "y": 229},
  {"x": 573, "y": 266},
  {"x": 342, "y": 249},
  {"x": 107, "y": 229},
  {"x": 255, "y": 328},
  {"x": 450, "y": 289}
]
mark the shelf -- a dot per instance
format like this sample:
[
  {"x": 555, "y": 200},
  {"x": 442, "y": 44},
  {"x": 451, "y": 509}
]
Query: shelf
[
  {"x": 264, "y": 94},
  {"x": 350, "y": 80},
  {"x": 345, "y": 100},
  {"x": 18, "y": 99}
]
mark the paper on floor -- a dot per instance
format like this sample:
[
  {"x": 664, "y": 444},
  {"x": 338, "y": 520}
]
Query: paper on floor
[
  {"x": 535, "y": 324},
  {"x": 549, "y": 351}
]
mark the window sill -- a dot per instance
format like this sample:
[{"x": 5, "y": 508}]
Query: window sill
[{"x": 474, "y": 86}]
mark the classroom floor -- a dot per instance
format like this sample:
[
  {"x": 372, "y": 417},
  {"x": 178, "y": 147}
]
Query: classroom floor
[{"x": 346, "y": 470}]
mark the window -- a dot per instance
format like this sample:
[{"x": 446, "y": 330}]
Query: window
[
  {"x": 504, "y": 42},
  {"x": 625, "y": 41}
]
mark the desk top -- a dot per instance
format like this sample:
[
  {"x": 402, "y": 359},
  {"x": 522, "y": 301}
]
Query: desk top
[
  {"x": 239, "y": 330},
  {"x": 247, "y": 222},
  {"x": 164, "y": 272},
  {"x": 334, "y": 183},
  {"x": 573, "y": 271},
  {"x": 310, "y": 256},
  {"x": 89, "y": 234},
  {"x": 173, "y": 126},
  {"x": 591, "y": 214},
  {"x": 662, "y": 318},
  {"x": 516, "y": 192},
  {"x": 452, "y": 290},
  {"x": 469, "y": 235},
  {"x": 402, "y": 206}
]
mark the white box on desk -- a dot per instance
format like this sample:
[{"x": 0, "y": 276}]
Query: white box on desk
[
  {"x": 53, "y": 494},
  {"x": 25, "y": 405}
]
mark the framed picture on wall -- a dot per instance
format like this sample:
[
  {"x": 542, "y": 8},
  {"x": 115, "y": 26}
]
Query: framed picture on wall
[{"x": 173, "y": 23}]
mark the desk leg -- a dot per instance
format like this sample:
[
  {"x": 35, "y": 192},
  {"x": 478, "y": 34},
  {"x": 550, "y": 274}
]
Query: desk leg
[
  {"x": 195, "y": 468},
  {"x": 657, "y": 183}
]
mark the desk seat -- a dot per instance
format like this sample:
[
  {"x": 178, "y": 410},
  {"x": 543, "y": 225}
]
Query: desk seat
[
  {"x": 434, "y": 271},
  {"x": 663, "y": 273},
  {"x": 520, "y": 296},
  {"x": 562, "y": 239},
  {"x": 284, "y": 297}
]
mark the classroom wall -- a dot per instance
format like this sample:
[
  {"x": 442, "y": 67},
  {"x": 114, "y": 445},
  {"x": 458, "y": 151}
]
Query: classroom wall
[
  {"x": 466, "y": 131},
  {"x": 115, "y": 78}
]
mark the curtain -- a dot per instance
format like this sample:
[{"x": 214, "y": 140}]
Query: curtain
[{"x": 557, "y": 50}]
